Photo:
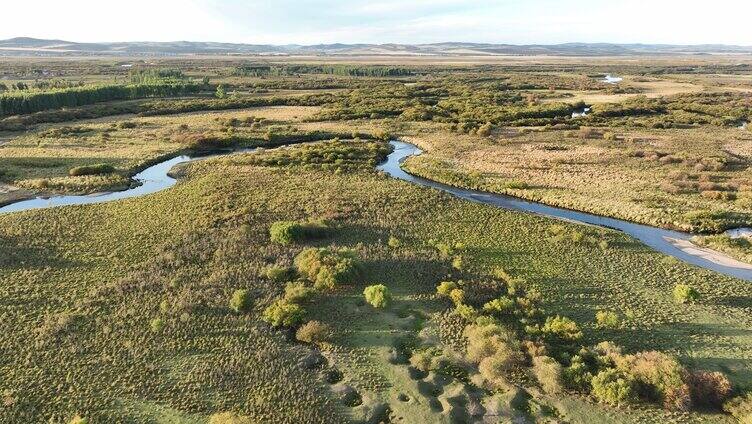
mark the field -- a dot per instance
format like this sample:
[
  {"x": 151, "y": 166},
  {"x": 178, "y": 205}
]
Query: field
[
  {"x": 200, "y": 300},
  {"x": 646, "y": 176}
]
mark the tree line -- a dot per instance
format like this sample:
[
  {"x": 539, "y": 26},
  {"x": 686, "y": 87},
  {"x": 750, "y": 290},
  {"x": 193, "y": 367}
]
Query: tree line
[
  {"x": 260, "y": 70},
  {"x": 17, "y": 103}
]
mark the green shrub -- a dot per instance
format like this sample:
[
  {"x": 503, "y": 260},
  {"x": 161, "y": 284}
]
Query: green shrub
[
  {"x": 446, "y": 287},
  {"x": 394, "y": 242},
  {"x": 156, "y": 325},
  {"x": 614, "y": 388},
  {"x": 457, "y": 296},
  {"x": 577, "y": 376},
  {"x": 494, "y": 348},
  {"x": 100, "y": 168},
  {"x": 327, "y": 268},
  {"x": 683, "y": 293},
  {"x": 660, "y": 377},
  {"x": 607, "y": 319},
  {"x": 229, "y": 418},
  {"x": 467, "y": 312},
  {"x": 607, "y": 354},
  {"x": 278, "y": 273},
  {"x": 501, "y": 306},
  {"x": 298, "y": 292},
  {"x": 313, "y": 332},
  {"x": 241, "y": 301},
  {"x": 285, "y": 232},
  {"x": 377, "y": 295},
  {"x": 283, "y": 313},
  {"x": 288, "y": 232},
  {"x": 548, "y": 373},
  {"x": 422, "y": 360},
  {"x": 562, "y": 328},
  {"x": 740, "y": 408},
  {"x": 78, "y": 420},
  {"x": 457, "y": 263}
]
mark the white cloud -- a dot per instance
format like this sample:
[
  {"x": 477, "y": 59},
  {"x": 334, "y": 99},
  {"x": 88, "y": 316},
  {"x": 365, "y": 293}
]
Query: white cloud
[{"x": 384, "y": 21}]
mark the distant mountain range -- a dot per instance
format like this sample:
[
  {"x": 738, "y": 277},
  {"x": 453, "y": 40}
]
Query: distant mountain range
[{"x": 24, "y": 46}]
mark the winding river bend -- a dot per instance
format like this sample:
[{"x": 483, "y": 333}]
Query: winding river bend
[{"x": 672, "y": 243}]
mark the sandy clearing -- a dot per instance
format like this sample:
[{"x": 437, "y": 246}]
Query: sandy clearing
[{"x": 711, "y": 255}]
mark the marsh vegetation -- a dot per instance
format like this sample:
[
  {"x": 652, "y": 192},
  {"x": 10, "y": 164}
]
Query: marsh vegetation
[{"x": 308, "y": 287}]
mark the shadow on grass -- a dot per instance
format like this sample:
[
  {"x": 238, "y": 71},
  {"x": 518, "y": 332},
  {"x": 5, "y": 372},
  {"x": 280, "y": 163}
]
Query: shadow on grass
[{"x": 15, "y": 255}]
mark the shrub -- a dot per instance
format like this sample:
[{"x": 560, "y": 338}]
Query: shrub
[
  {"x": 78, "y": 420},
  {"x": 229, "y": 418},
  {"x": 683, "y": 293},
  {"x": 501, "y": 306},
  {"x": 660, "y": 377},
  {"x": 240, "y": 301},
  {"x": 327, "y": 268},
  {"x": 457, "y": 296},
  {"x": 485, "y": 129},
  {"x": 156, "y": 325},
  {"x": 394, "y": 242},
  {"x": 298, "y": 292},
  {"x": 422, "y": 360},
  {"x": 283, "y": 313},
  {"x": 548, "y": 373},
  {"x": 494, "y": 348},
  {"x": 278, "y": 273},
  {"x": 100, "y": 168},
  {"x": 313, "y": 332},
  {"x": 562, "y": 328},
  {"x": 446, "y": 287},
  {"x": 607, "y": 319},
  {"x": 457, "y": 263},
  {"x": 534, "y": 348},
  {"x": 608, "y": 354},
  {"x": 382, "y": 134},
  {"x": 377, "y": 295},
  {"x": 288, "y": 232},
  {"x": 709, "y": 388},
  {"x": 577, "y": 376},
  {"x": 467, "y": 312},
  {"x": 740, "y": 408},
  {"x": 495, "y": 370},
  {"x": 614, "y": 388}
]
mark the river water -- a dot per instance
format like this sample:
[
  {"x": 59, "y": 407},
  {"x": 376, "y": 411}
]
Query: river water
[
  {"x": 672, "y": 243},
  {"x": 612, "y": 79}
]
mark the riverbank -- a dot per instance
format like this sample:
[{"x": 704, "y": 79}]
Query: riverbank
[
  {"x": 672, "y": 243},
  {"x": 675, "y": 179},
  {"x": 157, "y": 178}
]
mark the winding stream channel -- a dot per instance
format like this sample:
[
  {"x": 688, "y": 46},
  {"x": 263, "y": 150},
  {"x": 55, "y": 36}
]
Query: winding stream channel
[{"x": 672, "y": 243}]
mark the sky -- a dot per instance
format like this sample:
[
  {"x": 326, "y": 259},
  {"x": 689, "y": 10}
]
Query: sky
[{"x": 382, "y": 21}]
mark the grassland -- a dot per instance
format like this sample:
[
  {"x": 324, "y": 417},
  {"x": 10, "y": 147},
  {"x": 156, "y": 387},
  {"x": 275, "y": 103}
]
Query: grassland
[
  {"x": 667, "y": 178},
  {"x": 96, "y": 289},
  {"x": 42, "y": 159},
  {"x": 121, "y": 312}
]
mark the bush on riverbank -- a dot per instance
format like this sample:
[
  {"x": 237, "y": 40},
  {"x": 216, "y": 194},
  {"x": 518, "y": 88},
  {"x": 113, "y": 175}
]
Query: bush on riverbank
[{"x": 97, "y": 169}]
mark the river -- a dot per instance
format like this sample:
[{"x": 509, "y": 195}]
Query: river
[{"x": 673, "y": 243}]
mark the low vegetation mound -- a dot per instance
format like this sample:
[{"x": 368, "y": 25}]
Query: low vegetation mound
[
  {"x": 100, "y": 168},
  {"x": 288, "y": 232},
  {"x": 328, "y": 268}
]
